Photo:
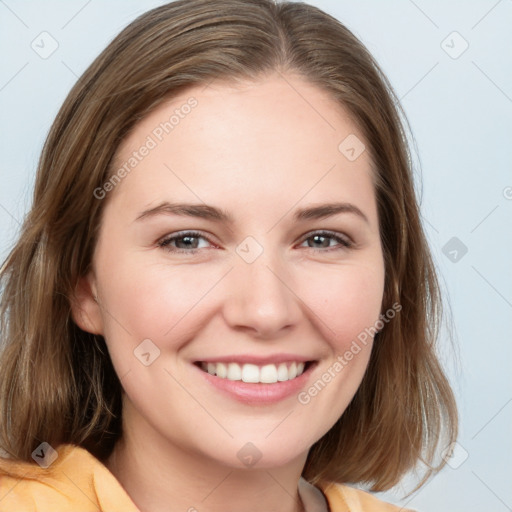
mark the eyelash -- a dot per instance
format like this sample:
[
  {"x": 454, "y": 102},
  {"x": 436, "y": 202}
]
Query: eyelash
[{"x": 344, "y": 243}]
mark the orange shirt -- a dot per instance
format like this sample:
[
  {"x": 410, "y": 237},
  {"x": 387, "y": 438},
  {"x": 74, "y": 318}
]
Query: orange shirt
[{"x": 78, "y": 482}]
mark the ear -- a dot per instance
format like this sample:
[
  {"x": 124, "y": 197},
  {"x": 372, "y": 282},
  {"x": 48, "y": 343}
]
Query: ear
[{"x": 85, "y": 307}]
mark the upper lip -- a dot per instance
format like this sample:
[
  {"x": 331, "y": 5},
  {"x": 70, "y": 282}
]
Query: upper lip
[{"x": 257, "y": 360}]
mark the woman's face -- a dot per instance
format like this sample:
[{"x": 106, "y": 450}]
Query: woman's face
[{"x": 242, "y": 241}]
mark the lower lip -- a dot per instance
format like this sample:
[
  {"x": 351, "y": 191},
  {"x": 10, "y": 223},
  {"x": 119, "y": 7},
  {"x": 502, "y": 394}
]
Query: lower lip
[{"x": 258, "y": 393}]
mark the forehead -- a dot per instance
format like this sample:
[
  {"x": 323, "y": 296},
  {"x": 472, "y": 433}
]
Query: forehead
[{"x": 280, "y": 137}]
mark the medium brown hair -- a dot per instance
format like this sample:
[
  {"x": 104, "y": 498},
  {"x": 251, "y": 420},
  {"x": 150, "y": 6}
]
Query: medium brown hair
[{"x": 57, "y": 382}]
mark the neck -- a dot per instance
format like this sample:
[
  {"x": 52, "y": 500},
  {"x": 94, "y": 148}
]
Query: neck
[{"x": 160, "y": 476}]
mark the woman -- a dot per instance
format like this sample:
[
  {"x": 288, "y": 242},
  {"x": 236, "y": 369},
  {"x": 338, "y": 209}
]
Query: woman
[{"x": 222, "y": 295}]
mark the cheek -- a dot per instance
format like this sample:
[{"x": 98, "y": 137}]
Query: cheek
[
  {"x": 347, "y": 303},
  {"x": 346, "y": 300},
  {"x": 145, "y": 300}
]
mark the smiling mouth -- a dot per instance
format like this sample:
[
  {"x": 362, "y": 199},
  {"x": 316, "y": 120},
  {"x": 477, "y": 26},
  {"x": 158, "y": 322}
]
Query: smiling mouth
[{"x": 256, "y": 374}]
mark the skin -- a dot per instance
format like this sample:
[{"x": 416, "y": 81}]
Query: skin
[{"x": 260, "y": 151}]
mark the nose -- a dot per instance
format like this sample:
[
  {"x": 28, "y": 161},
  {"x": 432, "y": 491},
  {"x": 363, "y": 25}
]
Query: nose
[{"x": 261, "y": 298}]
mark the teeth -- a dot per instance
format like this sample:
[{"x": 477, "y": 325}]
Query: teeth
[
  {"x": 267, "y": 374},
  {"x": 234, "y": 371},
  {"x": 292, "y": 371},
  {"x": 221, "y": 370},
  {"x": 282, "y": 372},
  {"x": 250, "y": 373}
]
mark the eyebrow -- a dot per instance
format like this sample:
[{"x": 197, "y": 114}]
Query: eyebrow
[{"x": 205, "y": 211}]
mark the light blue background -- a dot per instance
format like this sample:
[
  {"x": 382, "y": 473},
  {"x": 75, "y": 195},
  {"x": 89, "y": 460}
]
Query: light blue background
[{"x": 460, "y": 112}]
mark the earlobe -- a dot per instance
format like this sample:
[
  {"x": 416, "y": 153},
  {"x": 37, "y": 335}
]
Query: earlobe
[{"x": 85, "y": 307}]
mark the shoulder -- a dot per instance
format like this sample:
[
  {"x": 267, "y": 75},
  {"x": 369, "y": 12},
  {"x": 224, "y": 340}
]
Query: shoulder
[
  {"x": 74, "y": 480},
  {"x": 343, "y": 498}
]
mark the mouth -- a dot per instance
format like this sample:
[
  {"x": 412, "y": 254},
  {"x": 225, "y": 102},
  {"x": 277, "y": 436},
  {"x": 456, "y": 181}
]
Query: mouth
[
  {"x": 257, "y": 380},
  {"x": 256, "y": 374}
]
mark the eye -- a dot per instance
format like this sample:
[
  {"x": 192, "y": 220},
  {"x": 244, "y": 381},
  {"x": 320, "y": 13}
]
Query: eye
[
  {"x": 185, "y": 241},
  {"x": 327, "y": 240},
  {"x": 192, "y": 241}
]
